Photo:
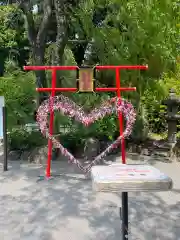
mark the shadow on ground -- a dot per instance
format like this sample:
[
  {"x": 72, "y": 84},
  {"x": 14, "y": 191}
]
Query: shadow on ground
[{"x": 66, "y": 208}]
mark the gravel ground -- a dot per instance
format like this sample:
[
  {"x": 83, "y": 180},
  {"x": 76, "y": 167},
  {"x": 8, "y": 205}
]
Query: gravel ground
[{"x": 66, "y": 208}]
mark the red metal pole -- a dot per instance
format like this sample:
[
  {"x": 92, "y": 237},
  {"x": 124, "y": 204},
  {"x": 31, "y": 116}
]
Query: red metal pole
[
  {"x": 53, "y": 90},
  {"x": 120, "y": 116},
  {"x": 51, "y": 67},
  {"x": 75, "y": 89},
  {"x": 51, "y": 121},
  {"x": 123, "y": 67},
  {"x": 56, "y": 89},
  {"x": 115, "y": 89},
  {"x": 76, "y": 67}
]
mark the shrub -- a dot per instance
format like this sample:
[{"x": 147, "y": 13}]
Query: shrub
[
  {"x": 18, "y": 89},
  {"x": 19, "y": 138},
  {"x": 19, "y": 92}
]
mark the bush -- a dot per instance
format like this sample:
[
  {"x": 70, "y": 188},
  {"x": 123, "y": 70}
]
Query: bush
[
  {"x": 18, "y": 89},
  {"x": 152, "y": 100},
  {"x": 19, "y": 138},
  {"x": 19, "y": 92},
  {"x": 104, "y": 128}
]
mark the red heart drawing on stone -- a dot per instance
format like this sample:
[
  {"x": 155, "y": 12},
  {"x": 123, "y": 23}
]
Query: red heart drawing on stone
[{"x": 69, "y": 108}]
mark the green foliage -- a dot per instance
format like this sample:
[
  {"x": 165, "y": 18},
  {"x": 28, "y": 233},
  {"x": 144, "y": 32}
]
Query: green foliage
[
  {"x": 152, "y": 100},
  {"x": 136, "y": 32},
  {"x": 7, "y": 35},
  {"x": 19, "y": 91},
  {"x": 19, "y": 138},
  {"x": 171, "y": 80},
  {"x": 129, "y": 33},
  {"x": 13, "y": 39},
  {"x": 105, "y": 128},
  {"x": 11, "y": 27},
  {"x": 64, "y": 78}
]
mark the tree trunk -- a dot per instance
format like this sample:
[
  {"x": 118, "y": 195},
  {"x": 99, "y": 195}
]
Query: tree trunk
[
  {"x": 61, "y": 38},
  {"x": 37, "y": 39},
  {"x": 38, "y": 60}
]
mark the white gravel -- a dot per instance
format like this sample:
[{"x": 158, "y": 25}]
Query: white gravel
[{"x": 65, "y": 208}]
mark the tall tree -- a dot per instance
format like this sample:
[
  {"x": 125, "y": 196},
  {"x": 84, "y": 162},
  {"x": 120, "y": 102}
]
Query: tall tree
[
  {"x": 37, "y": 35},
  {"x": 63, "y": 11}
]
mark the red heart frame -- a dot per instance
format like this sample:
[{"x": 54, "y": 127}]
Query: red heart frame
[{"x": 71, "y": 109}]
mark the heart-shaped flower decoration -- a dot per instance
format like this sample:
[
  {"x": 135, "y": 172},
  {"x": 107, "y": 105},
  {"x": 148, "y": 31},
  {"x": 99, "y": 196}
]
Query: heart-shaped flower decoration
[{"x": 69, "y": 108}]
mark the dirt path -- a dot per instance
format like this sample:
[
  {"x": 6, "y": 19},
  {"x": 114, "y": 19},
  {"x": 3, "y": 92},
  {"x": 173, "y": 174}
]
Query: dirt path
[{"x": 66, "y": 208}]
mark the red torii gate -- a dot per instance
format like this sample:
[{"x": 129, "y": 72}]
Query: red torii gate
[
  {"x": 54, "y": 89},
  {"x": 117, "y": 89}
]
